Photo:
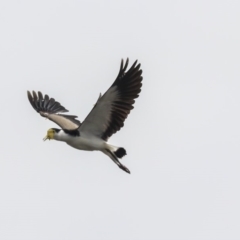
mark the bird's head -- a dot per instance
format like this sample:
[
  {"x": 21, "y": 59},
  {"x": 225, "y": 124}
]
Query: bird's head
[{"x": 51, "y": 134}]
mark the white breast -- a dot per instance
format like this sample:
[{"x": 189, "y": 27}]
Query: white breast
[
  {"x": 83, "y": 142},
  {"x": 86, "y": 143}
]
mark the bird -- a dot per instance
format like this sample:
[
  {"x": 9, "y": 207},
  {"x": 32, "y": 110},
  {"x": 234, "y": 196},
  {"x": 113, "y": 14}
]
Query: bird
[{"x": 106, "y": 117}]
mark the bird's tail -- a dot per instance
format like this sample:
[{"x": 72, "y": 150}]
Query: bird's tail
[{"x": 120, "y": 152}]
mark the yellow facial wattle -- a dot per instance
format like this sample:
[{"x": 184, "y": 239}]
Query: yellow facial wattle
[{"x": 50, "y": 134}]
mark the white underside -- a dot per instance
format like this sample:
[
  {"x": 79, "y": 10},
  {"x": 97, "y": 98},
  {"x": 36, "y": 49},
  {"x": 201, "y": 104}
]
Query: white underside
[{"x": 85, "y": 142}]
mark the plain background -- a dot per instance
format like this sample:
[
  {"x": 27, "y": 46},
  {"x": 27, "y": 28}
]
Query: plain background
[{"x": 182, "y": 137}]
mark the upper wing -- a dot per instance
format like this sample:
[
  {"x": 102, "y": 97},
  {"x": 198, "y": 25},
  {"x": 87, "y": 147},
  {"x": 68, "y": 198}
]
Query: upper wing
[
  {"x": 49, "y": 108},
  {"x": 111, "y": 109}
]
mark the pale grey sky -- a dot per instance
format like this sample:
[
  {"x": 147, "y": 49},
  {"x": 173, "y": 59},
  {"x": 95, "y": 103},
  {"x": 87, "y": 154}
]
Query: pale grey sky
[{"x": 182, "y": 138}]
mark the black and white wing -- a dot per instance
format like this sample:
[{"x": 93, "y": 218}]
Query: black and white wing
[
  {"x": 109, "y": 113},
  {"x": 51, "y": 109}
]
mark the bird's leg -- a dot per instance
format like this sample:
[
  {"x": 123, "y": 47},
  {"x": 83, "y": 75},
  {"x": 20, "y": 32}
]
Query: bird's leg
[{"x": 114, "y": 158}]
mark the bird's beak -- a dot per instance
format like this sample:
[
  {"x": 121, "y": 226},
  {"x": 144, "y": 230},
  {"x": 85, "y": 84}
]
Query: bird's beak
[{"x": 44, "y": 139}]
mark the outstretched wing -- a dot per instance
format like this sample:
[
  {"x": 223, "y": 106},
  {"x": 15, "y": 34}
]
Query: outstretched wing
[
  {"x": 49, "y": 108},
  {"x": 109, "y": 113}
]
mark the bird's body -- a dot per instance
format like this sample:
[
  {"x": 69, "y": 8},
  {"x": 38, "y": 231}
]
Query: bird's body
[
  {"x": 106, "y": 117},
  {"x": 87, "y": 143},
  {"x": 82, "y": 141}
]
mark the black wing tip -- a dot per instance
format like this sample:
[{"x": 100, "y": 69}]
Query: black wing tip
[
  {"x": 44, "y": 104},
  {"x": 29, "y": 95},
  {"x": 128, "y": 85},
  {"x": 31, "y": 100},
  {"x": 133, "y": 70},
  {"x": 123, "y": 66}
]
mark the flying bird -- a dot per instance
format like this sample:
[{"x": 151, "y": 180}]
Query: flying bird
[{"x": 106, "y": 118}]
